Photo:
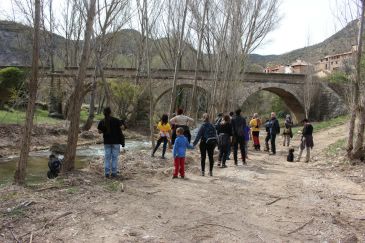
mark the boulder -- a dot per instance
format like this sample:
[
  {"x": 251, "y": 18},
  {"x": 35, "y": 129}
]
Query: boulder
[
  {"x": 58, "y": 148},
  {"x": 56, "y": 115},
  {"x": 87, "y": 135}
]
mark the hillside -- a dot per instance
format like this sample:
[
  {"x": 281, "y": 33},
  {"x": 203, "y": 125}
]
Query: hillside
[
  {"x": 337, "y": 43},
  {"x": 16, "y": 39},
  {"x": 16, "y": 44}
]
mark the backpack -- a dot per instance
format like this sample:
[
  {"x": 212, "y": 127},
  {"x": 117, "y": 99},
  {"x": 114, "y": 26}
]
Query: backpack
[{"x": 210, "y": 134}]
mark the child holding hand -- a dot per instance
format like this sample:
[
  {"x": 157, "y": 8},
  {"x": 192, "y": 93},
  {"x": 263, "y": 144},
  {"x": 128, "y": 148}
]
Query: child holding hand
[{"x": 179, "y": 152}]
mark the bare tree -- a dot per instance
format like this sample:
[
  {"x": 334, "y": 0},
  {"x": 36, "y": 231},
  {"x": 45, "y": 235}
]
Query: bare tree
[
  {"x": 178, "y": 60},
  {"x": 77, "y": 95},
  {"x": 20, "y": 172},
  {"x": 149, "y": 73},
  {"x": 358, "y": 98},
  {"x": 109, "y": 22},
  {"x": 309, "y": 90},
  {"x": 200, "y": 29}
]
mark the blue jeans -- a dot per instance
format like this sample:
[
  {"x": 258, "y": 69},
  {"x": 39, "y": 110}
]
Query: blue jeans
[{"x": 111, "y": 154}]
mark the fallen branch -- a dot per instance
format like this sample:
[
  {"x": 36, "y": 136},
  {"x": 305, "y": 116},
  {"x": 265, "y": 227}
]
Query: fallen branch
[
  {"x": 210, "y": 224},
  {"x": 48, "y": 188},
  {"x": 54, "y": 219},
  {"x": 31, "y": 238},
  {"x": 272, "y": 202},
  {"x": 12, "y": 234},
  {"x": 301, "y": 227},
  {"x": 223, "y": 226},
  {"x": 150, "y": 193},
  {"x": 46, "y": 224}
]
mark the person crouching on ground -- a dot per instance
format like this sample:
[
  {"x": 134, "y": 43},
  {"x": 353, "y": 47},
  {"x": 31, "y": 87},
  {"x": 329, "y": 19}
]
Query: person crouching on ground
[
  {"x": 111, "y": 129},
  {"x": 165, "y": 134},
  {"x": 179, "y": 152},
  {"x": 207, "y": 135},
  {"x": 306, "y": 141}
]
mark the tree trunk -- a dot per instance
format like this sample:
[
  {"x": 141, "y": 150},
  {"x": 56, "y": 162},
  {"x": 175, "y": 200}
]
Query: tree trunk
[
  {"x": 149, "y": 76},
  {"x": 178, "y": 62},
  {"x": 359, "y": 105},
  {"x": 194, "y": 103},
  {"x": 20, "y": 172},
  {"x": 100, "y": 68},
  {"x": 70, "y": 154},
  {"x": 217, "y": 68},
  {"x": 52, "y": 94},
  {"x": 90, "y": 118}
]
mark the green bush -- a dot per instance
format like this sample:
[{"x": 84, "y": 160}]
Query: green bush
[
  {"x": 339, "y": 77},
  {"x": 126, "y": 95},
  {"x": 11, "y": 84}
]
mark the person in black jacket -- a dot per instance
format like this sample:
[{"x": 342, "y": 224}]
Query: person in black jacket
[
  {"x": 224, "y": 130},
  {"x": 207, "y": 135},
  {"x": 111, "y": 129},
  {"x": 238, "y": 128},
  {"x": 274, "y": 129},
  {"x": 306, "y": 141}
]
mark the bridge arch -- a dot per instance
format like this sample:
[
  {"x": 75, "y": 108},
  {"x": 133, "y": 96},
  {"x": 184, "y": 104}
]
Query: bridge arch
[
  {"x": 291, "y": 97},
  {"x": 166, "y": 91}
]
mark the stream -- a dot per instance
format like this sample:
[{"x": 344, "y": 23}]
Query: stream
[{"x": 38, "y": 161}]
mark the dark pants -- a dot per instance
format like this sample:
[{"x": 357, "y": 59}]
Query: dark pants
[
  {"x": 159, "y": 141},
  {"x": 223, "y": 153},
  {"x": 241, "y": 142},
  {"x": 186, "y": 133},
  {"x": 228, "y": 151},
  {"x": 256, "y": 139},
  {"x": 273, "y": 147},
  {"x": 267, "y": 139},
  {"x": 204, "y": 148}
]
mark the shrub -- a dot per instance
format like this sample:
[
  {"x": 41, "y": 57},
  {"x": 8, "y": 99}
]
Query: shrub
[
  {"x": 11, "y": 84},
  {"x": 126, "y": 95}
]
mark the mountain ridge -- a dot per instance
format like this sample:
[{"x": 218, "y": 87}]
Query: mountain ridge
[{"x": 16, "y": 38}]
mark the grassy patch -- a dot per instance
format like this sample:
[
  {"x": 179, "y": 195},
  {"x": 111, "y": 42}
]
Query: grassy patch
[
  {"x": 113, "y": 186},
  {"x": 336, "y": 148},
  {"x": 72, "y": 190},
  {"x": 320, "y": 126},
  {"x": 40, "y": 117},
  {"x": 16, "y": 213},
  {"x": 8, "y": 196},
  {"x": 18, "y": 117}
]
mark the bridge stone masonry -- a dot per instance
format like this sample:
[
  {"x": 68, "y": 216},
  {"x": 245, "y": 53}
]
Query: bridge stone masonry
[{"x": 290, "y": 87}]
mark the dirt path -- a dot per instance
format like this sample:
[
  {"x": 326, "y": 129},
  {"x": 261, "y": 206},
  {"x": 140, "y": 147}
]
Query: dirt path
[{"x": 269, "y": 200}]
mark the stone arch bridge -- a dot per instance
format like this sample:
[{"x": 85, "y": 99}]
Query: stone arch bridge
[{"x": 289, "y": 87}]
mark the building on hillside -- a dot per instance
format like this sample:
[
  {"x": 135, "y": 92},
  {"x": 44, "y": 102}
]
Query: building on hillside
[
  {"x": 278, "y": 69},
  {"x": 334, "y": 62},
  {"x": 300, "y": 66}
]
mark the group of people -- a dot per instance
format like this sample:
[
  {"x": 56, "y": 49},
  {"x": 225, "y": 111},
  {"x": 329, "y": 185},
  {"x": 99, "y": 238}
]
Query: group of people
[{"x": 227, "y": 132}]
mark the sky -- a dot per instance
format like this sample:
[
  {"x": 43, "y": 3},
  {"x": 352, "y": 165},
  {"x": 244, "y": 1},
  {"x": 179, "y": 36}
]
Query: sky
[{"x": 304, "y": 22}]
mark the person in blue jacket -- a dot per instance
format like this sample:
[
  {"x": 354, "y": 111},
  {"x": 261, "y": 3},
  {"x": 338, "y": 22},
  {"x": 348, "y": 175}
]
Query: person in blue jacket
[{"x": 179, "y": 152}]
